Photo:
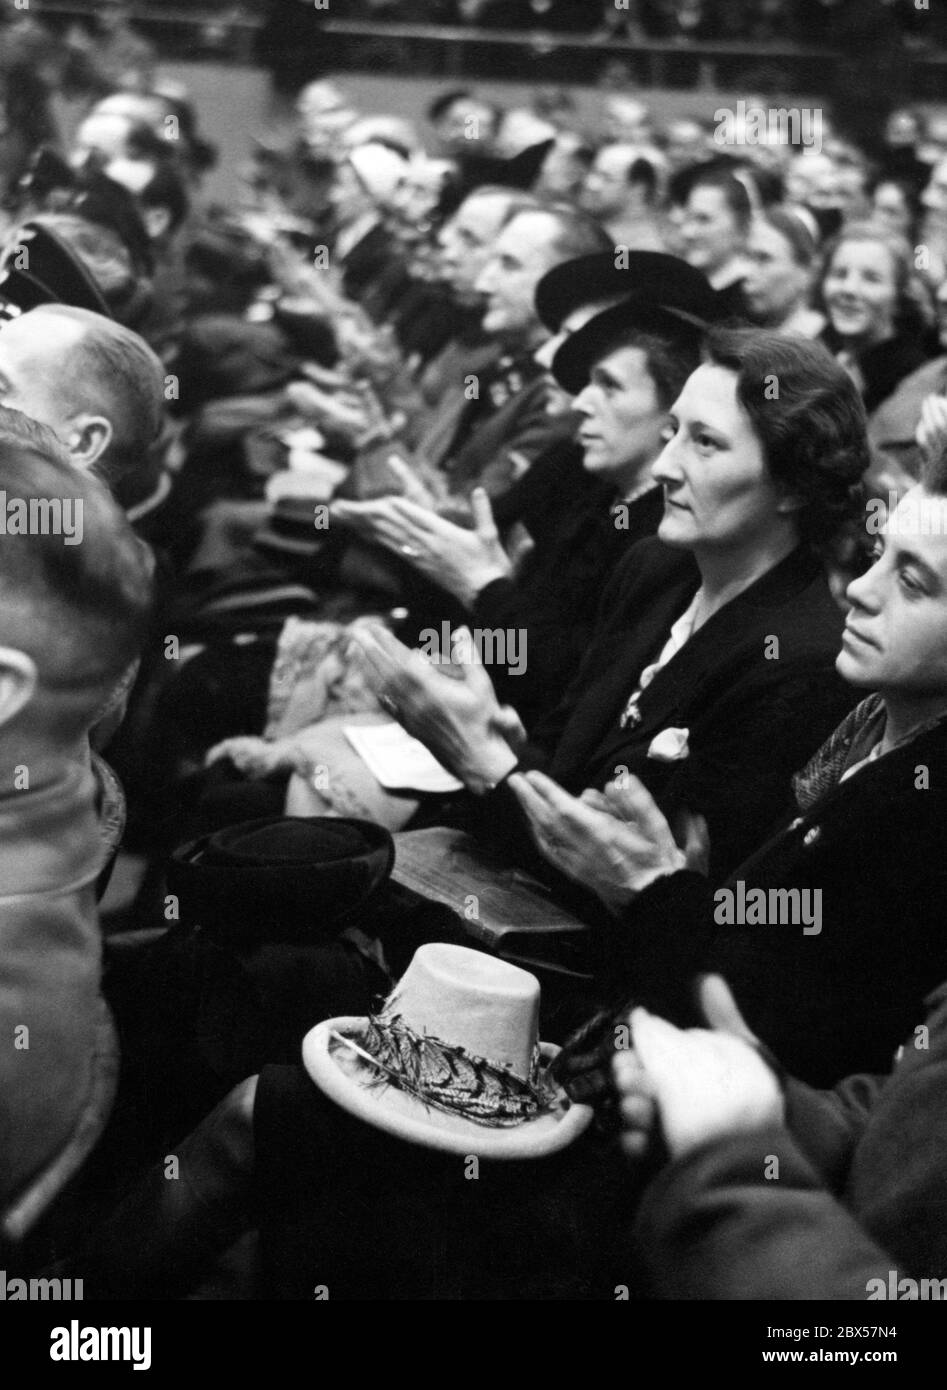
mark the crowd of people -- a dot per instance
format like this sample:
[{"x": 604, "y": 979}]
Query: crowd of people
[{"x": 473, "y": 701}]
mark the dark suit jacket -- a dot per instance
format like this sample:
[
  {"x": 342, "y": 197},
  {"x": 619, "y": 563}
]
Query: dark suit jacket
[
  {"x": 397, "y": 1220},
  {"x": 752, "y": 718},
  {"x": 433, "y": 425},
  {"x": 509, "y": 416},
  {"x": 884, "y": 365},
  {"x": 579, "y": 538},
  {"x": 368, "y": 261},
  {"x": 839, "y": 1001},
  {"x": 714, "y": 1226}
]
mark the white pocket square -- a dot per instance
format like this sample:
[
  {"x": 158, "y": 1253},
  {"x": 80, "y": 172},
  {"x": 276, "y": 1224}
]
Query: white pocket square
[{"x": 670, "y": 745}]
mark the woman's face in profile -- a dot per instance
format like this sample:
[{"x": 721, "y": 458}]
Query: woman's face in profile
[
  {"x": 860, "y": 292},
  {"x": 717, "y": 489}
]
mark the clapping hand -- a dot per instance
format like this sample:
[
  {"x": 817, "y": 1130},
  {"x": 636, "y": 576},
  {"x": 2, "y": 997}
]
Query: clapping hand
[
  {"x": 450, "y": 707},
  {"x": 614, "y": 842},
  {"x": 461, "y": 561},
  {"x": 343, "y": 410}
]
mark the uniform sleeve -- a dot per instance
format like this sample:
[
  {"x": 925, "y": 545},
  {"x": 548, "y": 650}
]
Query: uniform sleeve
[{"x": 749, "y": 1218}]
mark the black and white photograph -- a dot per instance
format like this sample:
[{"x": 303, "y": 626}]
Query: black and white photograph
[{"x": 473, "y": 671}]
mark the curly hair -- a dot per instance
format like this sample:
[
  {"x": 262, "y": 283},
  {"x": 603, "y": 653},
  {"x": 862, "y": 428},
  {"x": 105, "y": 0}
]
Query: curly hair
[
  {"x": 670, "y": 357},
  {"x": 809, "y": 418}
]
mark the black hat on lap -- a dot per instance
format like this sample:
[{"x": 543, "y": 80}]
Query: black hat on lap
[{"x": 282, "y": 878}]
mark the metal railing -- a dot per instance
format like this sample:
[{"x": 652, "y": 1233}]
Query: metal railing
[{"x": 230, "y": 32}]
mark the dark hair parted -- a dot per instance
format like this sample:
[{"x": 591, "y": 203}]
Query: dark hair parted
[
  {"x": 809, "y": 418},
  {"x": 669, "y": 357},
  {"x": 727, "y": 175},
  {"x": 579, "y": 234}
]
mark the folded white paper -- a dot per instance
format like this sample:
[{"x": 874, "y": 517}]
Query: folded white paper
[
  {"x": 305, "y": 437},
  {"x": 399, "y": 761},
  {"x": 317, "y": 478}
]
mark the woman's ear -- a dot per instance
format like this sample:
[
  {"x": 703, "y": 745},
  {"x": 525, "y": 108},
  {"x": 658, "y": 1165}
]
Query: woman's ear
[{"x": 18, "y": 682}]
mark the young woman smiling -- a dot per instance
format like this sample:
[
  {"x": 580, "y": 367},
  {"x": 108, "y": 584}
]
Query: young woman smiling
[{"x": 875, "y": 325}]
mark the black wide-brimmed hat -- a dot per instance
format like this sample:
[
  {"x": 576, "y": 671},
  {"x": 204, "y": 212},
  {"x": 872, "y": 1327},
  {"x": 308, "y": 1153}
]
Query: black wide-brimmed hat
[
  {"x": 39, "y": 268},
  {"x": 282, "y": 878},
  {"x": 609, "y": 274},
  {"x": 513, "y": 171},
  {"x": 666, "y": 312}
]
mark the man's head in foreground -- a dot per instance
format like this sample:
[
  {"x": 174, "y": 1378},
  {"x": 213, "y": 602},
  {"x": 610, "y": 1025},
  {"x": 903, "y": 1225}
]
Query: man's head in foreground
[
  {"x": 97, "y": 385},
  {"x": 76, "y": 594}
]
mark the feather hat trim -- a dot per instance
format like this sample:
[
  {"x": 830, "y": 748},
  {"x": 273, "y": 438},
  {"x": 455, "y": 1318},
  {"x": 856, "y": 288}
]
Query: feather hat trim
[{"x": 453, "y": 1061}]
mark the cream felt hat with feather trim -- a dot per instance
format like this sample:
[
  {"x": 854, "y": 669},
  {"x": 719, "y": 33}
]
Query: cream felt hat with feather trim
[{"x": 452, "y": 1062}]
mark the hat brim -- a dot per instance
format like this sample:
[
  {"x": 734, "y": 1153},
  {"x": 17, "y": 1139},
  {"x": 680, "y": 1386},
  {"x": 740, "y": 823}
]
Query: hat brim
[
  {"x": 229, "y": 883},
  {"x": 56, "y": 275},
  {"x": 604, "y": 275},
  {"x": 387, "y": 1108},
  {"x": 573, "y": 363}
]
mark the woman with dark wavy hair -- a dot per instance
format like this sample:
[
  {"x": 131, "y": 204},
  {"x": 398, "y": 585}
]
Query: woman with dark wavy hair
[
  {"x": 810, "y": 428},
  {"x": 711, "y": 672},
  {"x": 812, "y": 435}
]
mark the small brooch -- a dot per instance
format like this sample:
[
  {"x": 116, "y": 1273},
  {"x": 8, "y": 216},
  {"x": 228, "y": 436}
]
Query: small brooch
[{"x": 631, "y": 715}]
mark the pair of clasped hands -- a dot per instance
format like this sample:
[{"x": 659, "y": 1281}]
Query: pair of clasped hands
[
  {"x": 692, "y": 1087},
  {"x": 696, "y": 1085}
]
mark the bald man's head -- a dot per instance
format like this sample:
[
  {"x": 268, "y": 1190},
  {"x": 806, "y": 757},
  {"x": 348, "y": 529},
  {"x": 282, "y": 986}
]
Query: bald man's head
[{"x": 96, "y": 384}]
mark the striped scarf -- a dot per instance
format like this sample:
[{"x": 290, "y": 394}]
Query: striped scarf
[
  {"x": 852, "y": 741},
  {"x": 854, "y": 738}
]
